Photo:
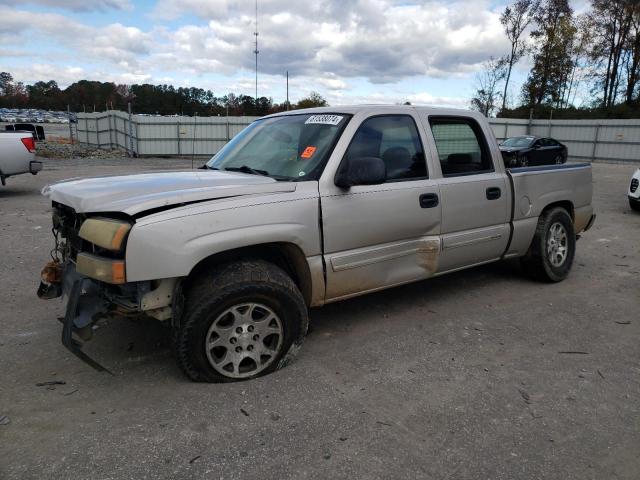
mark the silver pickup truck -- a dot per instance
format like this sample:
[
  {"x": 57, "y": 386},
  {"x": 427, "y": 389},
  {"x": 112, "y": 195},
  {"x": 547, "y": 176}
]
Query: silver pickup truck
[
  {"x": 17, "y": 155},
  {"x": 301, "y": 209}
]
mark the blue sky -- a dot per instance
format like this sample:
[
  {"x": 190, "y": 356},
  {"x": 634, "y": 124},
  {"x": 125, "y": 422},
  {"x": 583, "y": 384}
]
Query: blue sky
[{"x": 373, "y": 51}]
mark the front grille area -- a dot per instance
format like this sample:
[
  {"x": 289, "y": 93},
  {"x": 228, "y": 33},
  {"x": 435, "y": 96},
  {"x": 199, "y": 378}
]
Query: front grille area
[
  {"x": 66, "y": 225},
  {"x": 634, "y": 185}
]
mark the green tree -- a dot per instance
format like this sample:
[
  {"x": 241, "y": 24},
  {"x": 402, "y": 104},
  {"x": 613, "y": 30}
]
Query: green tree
[
  {"x": 515, "y": 19},
  {"x": 615, "y": 27},
  {"x": 313, "y": 100},
  {"x": 6, "y": 81},
  {"x": 487, "y": 93},
  {"x": 552, "y": 63}
]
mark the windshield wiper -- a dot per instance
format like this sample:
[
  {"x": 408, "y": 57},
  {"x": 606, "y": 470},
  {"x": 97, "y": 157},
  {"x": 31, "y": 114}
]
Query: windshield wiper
[
  {"x": 248, "y": 169},
  {"x": 207, "y": 167}
]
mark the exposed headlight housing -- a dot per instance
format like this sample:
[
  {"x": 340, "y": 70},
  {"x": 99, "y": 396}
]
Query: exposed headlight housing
[
  {"x": 105, "y": 232},
  {"x": 100, "y": 268}
]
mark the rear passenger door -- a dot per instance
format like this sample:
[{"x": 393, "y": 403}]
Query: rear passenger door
[{"x": 475, "y": 196}]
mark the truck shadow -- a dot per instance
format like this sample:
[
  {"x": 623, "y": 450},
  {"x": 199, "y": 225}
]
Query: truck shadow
[
  {"x": 142, "y": 346},
  {"x": 398, "y": 300},
  {"x": 14, "y": 191}
]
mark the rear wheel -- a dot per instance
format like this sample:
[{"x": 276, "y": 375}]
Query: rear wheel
[
  {"x": 524, "y": 161},
  {"x": 242, "y": 321},
  {"x": 552, "y": 250}
]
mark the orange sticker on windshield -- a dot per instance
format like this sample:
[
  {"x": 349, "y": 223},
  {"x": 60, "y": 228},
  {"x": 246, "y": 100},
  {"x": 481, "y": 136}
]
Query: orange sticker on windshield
[{"x": 308, "y": 152}]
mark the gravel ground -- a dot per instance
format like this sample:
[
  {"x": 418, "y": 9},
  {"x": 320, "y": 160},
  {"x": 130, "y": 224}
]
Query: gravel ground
[{"x": 457, "y": 377}]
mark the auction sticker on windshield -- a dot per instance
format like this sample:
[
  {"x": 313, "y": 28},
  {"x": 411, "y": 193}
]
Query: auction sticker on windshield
[
  {"x": 324, "y": 119},
  {"x": 308, "y": 152}
]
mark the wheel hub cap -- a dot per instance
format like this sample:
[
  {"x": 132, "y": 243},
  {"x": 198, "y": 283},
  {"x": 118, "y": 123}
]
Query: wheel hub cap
[
  {"x": 557, "y": 244},
  {"x": 244, "y": 340}
]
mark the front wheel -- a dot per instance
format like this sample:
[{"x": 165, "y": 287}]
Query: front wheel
[
  {"x": 634, "y": 204},
  {"x": 552, "y": 250},
  {"x": 242, "y": 321},
  {"x": 524, "y": 161}
]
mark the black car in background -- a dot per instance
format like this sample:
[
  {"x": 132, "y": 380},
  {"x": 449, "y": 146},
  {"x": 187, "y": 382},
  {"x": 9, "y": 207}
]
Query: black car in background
[{"x": 527, "y": 150}]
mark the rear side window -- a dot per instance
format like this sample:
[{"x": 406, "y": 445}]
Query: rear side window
[
  {"x": 394, "y": 139},
  {"x": 461, "y": 147}
]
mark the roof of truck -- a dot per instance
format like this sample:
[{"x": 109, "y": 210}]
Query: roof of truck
[{"x": 353, "y": 109}]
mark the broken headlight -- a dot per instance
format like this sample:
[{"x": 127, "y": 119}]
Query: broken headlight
[{"x": 107, "y": 233}]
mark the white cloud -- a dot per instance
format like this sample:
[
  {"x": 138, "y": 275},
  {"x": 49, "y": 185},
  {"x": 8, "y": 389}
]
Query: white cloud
[
  {"x": 326, "y": 45},
  {"x": 115, "y": 42},
  {"x": 381, "y": 40}
]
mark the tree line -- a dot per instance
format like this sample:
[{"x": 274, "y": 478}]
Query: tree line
[
  {"x": 596, "y": 53},
  {"x": 86, "y": 95}
]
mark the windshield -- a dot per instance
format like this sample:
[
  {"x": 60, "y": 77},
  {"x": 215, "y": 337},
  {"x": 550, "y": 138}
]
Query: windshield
[
  {"x": 518, "y": 141},
  {"x": 292, "y": 147}
]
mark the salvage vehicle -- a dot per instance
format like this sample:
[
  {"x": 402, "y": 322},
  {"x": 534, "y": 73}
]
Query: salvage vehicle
[
  {"x": 634, "y": 191},
  {"x": 17, "y": 155},
  {"x": 528, "y": 150},
  {"x": 298, "y": 210}
]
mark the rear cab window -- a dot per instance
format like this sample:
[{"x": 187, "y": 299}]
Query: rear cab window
[{"x": 461, "y": 146}]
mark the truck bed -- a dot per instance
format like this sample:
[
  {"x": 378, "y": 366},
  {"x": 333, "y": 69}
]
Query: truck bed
[{"x": 534, "y": 188}]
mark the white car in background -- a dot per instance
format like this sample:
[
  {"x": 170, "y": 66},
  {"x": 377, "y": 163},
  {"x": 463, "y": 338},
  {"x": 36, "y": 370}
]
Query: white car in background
[
  {"x": 634, "y": 191},
  {"x": 17, "y": 155}
]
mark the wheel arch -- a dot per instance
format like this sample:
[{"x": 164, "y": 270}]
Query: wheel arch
[
  {"x": 288, "y": 256},
  {"x": 564, "y": 204}
]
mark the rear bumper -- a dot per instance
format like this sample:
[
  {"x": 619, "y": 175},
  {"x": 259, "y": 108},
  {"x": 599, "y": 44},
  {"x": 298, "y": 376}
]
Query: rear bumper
[{"x": 35, "y": 167}]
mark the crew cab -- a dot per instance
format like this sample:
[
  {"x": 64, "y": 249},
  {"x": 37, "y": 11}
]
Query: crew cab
[
  {"x": 17, "y": 155},
  {"x": 301, "y": 209}
]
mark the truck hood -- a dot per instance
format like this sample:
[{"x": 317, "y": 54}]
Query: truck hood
[{"x": 133, "y": 194}]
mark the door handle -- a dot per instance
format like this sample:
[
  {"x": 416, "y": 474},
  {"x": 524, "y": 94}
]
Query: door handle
[
  {"x": 493, "y": 193},
  {"x": 429, "y": 200}
]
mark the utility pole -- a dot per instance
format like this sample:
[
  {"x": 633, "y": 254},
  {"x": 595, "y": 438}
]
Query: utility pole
[
  {"x": 287, "y": 90},
  {"x": 256, "y": 51}
]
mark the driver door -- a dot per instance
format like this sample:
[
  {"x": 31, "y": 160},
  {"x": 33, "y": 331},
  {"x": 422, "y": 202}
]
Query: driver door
[{"x": 377, "y": 236}]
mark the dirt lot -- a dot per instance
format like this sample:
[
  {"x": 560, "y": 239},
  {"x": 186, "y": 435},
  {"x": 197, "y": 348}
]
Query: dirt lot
[{"x": 459, "y": 377}]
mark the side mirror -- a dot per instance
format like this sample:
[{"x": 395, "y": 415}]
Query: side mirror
[{"x": 361, "y": 171}]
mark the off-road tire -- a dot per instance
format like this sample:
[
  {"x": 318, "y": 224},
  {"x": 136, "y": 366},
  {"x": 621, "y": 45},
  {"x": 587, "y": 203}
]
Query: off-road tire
[
  {"x": 536, "y": 262},
  {"x": 227, "y": 285}
]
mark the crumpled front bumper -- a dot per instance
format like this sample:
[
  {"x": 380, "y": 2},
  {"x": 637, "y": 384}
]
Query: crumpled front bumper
[
  {"x": 81, "y": 303},
  {"x": 85, "y": 304}
]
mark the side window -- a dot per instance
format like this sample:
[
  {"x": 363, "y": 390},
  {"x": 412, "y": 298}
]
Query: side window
[
  {"x": 461, "y": 147},
  {"x": 394, "y": 139}
]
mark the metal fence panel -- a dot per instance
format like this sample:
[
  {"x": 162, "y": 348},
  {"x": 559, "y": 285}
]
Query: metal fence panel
[
  {"x": 614, "y": 140},
  {"x": 159, "y": 136}
]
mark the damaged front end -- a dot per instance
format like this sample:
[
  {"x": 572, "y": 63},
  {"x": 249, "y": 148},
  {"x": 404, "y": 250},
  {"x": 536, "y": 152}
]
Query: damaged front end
[{"x": 88, "y": 270}]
